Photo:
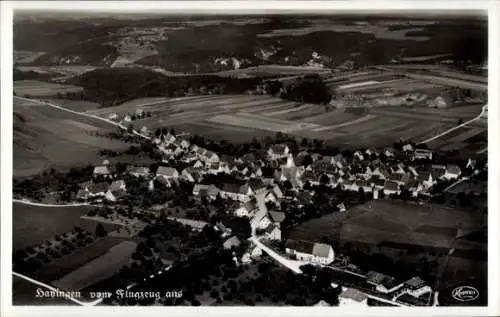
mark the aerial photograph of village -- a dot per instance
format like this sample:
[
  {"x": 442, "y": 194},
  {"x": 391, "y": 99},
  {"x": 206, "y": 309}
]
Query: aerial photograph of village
[{"x": 250, "y": 159}]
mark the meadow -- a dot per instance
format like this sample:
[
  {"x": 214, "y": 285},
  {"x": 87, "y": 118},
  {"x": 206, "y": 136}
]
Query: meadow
[{"x": 47, "y": 137}]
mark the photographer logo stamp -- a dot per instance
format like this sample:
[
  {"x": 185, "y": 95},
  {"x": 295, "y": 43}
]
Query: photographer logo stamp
[{"x": 465, "y": 293}]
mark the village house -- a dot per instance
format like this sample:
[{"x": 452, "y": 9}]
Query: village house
[
  {"x": 341, "y": 207},
  {"x": 145, "y": 131},
  {"x": 190, "y": 158},
  {"x": 273, "y": 232},
  {"x": 210, "y": 190},
  {"x": 277, "y": 151},
  {"x": 246, "y": 209},
  {"x": 97, "y": 190},
  {"x": 140, "y": 171},
  {"x": 315, "y": 253},
  {"x": 340, "y": 161},
  {"x": 101, "y": 171},
  {"x": 210, "y": 157},
  {"x": 127, "y": 119},
  {"x": 359, "y": 155},
  {"x": 407, "y": 148},
  {"x": 113, "y": 116},
  {"x": 169, "y": 138},
  {"x": 352, "y": 297},
  {"x": 139, "y": 112},
  {"x": 182, "y": 143},
  {"x": 236, "y": 192},
  {"x": 422, "y": 154},
  {"x": 232, "y": 242},
  {"x": 382, "y": 283},
  {"x": 389, "y": 152},
  {"x": 257, "y": 185},
  {"x": 391, "y": 188},
  {"x": 169, "y": 175},
  {"x": 416, "y": 287},
  {"x": 452, "y": 172},
  {"x": 190, "y": 174}
]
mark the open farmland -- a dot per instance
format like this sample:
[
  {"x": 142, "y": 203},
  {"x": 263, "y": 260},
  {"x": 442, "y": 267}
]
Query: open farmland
[
  {"x": 50, "y": 272},
  {"x": 383, "y": 221},
  {"x": 35, "y": 88},
  {"x": 384, "y": 226},
  {"x": 99, "y": 269},
  {"x": 34, "y": 224},
  {"x": 75, "y": 105},
  {"x": 242, "y": 117},
  {"x": 48, "y": 137}
]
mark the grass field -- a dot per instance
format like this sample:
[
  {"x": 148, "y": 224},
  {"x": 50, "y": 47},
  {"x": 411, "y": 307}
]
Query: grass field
[
  {"x": 398, "y": 225},
  {"x": 99, "y": 269},
  {"x": 33, "y": 225},
  {"x": 36, "y": 88},
  {"x": 48, "y": 137},
  {"x": 380, "y": 221}
]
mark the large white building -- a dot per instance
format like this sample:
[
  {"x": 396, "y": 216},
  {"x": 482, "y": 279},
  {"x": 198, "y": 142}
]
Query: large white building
[{"x": 316, "y": 253}]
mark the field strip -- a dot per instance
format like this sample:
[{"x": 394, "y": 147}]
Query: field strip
[
  {"x": 390, "y": 129},
  {"x": 263, "y": 108},
  {"x": 368, "y": 127},
  {"x": 360, "y": 84},
  {"x": 412, "y": 116},
  {"x": 345, "y": 124},
  {"x": 482, "y": 150},
  {"x": 466, "y": 135},
  {"x": 255, "y": 102},
  {"x": 285, "y": 111},
  {"x": 453, "y": 82},
  {"x": 255, "y": 123},
  {"x": 211, "y": 102},
  {"x": 453, "y": 146},
  {"x": 484, "y": 109},
  {"x": 81, "y": 125},
  {"x": 74, "y": 300},
  {"x": 271, "y": 120}
]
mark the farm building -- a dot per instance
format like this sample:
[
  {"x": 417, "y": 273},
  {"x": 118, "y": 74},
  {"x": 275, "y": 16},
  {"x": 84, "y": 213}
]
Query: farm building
[
  {"x": 236, "y": 192},
  {"x": 273, "y": 232},
  {"x": 168, "y": 175},
  {"x": 352, "y": 297},
  {"x": 319, "y": 253},
  {"x": 416, "y": 287}
]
